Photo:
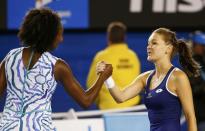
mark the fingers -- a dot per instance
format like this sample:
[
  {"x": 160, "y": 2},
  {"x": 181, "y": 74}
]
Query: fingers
[
  {"x": 109, "y": 68},
  {"x": 101, "y": 66},
  {"x": 107, "y": 71},
  {"x": 103, "y": 62}
]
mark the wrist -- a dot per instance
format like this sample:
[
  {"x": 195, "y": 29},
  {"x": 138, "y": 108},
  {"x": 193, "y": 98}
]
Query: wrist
[{"x": 110, "y": 83}]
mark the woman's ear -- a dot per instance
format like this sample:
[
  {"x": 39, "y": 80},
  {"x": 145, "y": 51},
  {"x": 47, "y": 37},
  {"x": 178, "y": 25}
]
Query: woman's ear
[{"x": 169, "y": 49}]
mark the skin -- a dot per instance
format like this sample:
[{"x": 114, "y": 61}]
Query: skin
[
  {"x": 159, "y": 52},
  {"x": 63, "y": 74}
]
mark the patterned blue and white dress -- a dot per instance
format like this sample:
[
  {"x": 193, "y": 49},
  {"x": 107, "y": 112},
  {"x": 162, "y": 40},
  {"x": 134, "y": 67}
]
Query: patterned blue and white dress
[{"x": 28, "y": 101}]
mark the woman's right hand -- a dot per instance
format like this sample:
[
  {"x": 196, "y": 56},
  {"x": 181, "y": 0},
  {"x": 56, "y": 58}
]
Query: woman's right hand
[
  {"x": 100, "y": 67},
  {"x": 105, "y": 70}
]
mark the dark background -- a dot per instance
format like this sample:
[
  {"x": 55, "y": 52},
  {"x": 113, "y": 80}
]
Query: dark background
[
  {"x": 104, "y": 11},
  {"x": 2, "y": 14}
]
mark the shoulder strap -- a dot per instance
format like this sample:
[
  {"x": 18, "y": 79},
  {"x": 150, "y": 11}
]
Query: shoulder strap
[
  {"x": 168, "y": 73},
  {"x": 149, "y": 80}
]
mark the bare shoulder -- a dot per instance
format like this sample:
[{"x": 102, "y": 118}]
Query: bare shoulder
[
  {"x": 179, "y": 73},
  {"x": 60, "y": 63},
  {"x": 147, "y": 73},
  {"x": 144, "y": 76},
  {"x": 61, "y": 69},
  {"x": 178, "y": 76},
  {"x": 2, "y": 62}
]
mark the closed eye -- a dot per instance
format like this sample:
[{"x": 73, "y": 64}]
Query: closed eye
[{"x": 154, "y": 43}]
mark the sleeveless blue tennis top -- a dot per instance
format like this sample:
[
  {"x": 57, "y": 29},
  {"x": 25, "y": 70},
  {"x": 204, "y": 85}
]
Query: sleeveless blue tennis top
[{"x": 164, "y": 108}]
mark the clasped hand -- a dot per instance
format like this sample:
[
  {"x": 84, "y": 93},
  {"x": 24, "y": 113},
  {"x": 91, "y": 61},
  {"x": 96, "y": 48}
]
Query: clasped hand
[{"x": 104, "y": 69}]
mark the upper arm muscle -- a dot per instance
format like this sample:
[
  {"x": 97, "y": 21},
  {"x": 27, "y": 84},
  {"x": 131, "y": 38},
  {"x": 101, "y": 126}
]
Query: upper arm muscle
[
  {"x": 64, "y": 74},
  {"x": 137, "y": 86},
  {"x": 183, "y": 90}
]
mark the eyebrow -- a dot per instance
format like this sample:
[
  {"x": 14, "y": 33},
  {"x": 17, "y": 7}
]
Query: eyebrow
[{"x": 152, "y": 40}]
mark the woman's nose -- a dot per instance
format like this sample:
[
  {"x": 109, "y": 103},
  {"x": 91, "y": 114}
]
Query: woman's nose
[{"x": 148, "y": 46}]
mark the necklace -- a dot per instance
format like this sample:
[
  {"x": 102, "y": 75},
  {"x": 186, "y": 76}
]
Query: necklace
[{"x": 158, "y": 79}]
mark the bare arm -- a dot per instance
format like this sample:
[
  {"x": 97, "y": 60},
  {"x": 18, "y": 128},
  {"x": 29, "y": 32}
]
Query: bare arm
[
  {"x": 130, "y": 91},
  {"x": 183, "y": 90},
  {"x": 92, "y": 77},
  {"x": 64, "y": 74},
  {"x": 2, "y": 78}
]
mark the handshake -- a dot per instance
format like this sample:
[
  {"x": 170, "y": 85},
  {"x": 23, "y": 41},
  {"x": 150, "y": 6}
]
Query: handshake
[{"x": 105, "y": 70}]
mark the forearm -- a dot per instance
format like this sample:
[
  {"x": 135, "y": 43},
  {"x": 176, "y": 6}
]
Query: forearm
[
  {"x": 63, "y": 74},
  {"x": 122, "y": 95},
  {"x": 93, "y": 91},
  {"x": 114, "y": 90},
  {"x": 191, "y": 122},
  {"x": 117, "y": 94}
]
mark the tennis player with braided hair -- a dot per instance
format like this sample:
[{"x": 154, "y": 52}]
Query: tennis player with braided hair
[
  {"x": 167, "y": 88},
  {"x": 29, "y": 75}
]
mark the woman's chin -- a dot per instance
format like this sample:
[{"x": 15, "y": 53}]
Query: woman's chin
[{"x": 149, "y": 59}]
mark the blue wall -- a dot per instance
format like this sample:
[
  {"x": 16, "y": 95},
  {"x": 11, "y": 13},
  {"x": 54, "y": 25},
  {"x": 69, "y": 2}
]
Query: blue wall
[{"x": 78, "y": 49}]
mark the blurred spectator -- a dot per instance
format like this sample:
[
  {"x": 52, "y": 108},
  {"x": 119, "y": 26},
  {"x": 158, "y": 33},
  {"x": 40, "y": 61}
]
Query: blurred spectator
[
  {"x": 124, "y": 61},
  {"x": 198, "y": 83}
]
